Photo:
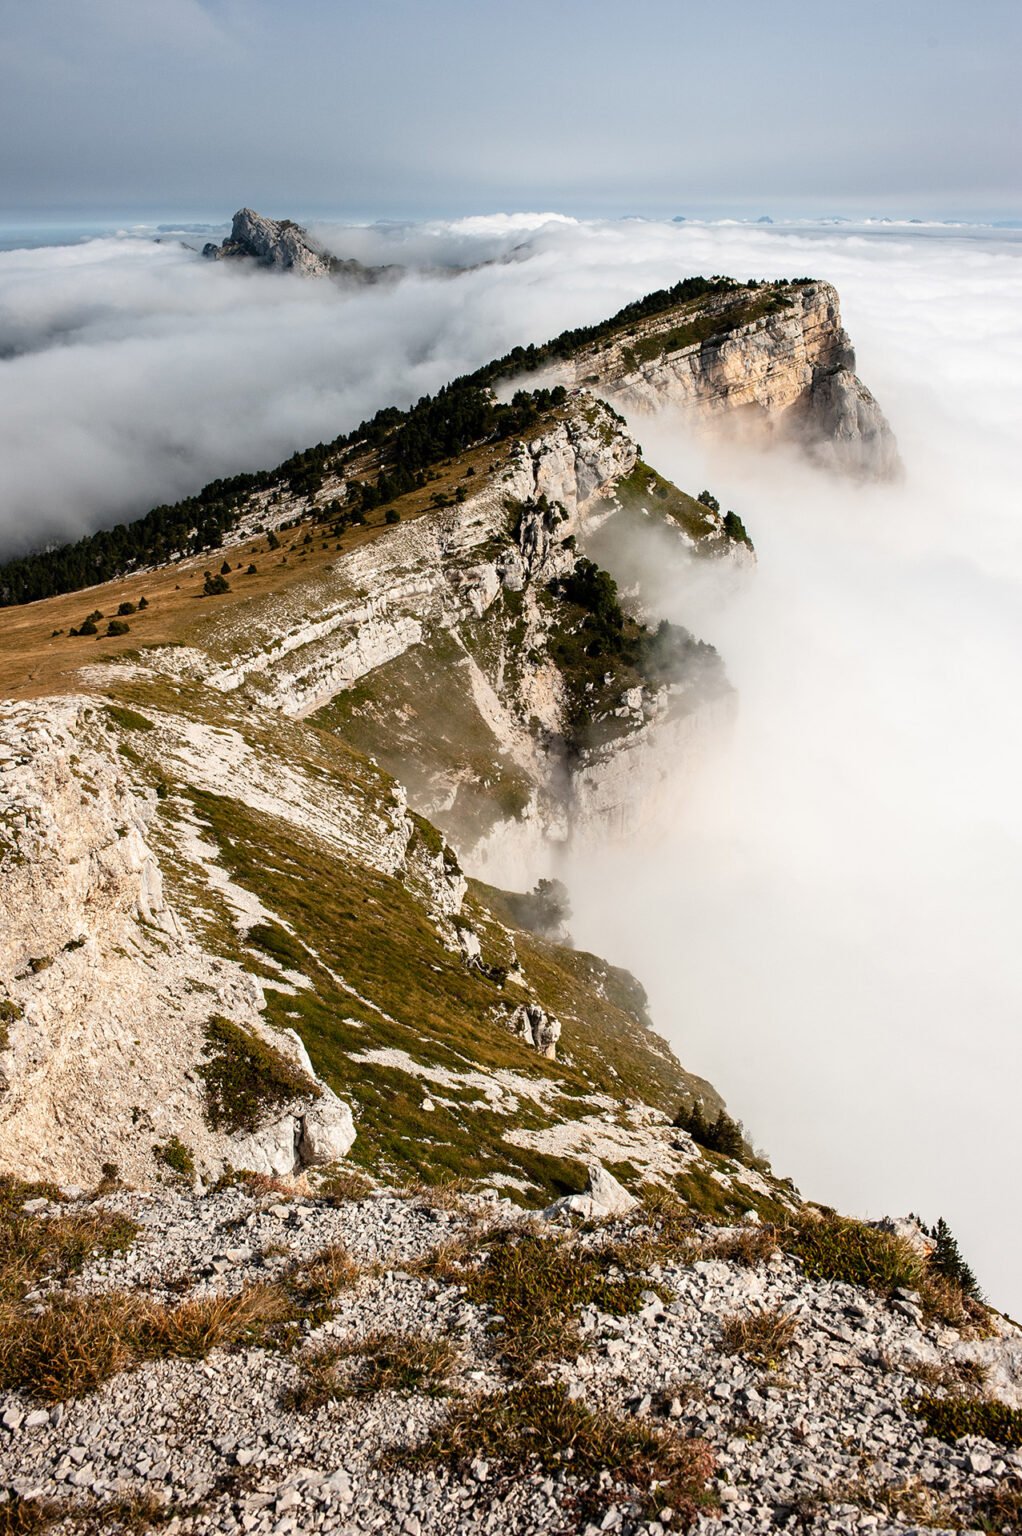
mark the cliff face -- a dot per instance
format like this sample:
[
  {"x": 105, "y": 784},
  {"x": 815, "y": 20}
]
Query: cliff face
[{"x": 775, "y": 362}]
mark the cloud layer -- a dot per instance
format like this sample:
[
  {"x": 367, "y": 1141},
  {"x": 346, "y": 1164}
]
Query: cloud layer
[{"x": 828, "y": 927}]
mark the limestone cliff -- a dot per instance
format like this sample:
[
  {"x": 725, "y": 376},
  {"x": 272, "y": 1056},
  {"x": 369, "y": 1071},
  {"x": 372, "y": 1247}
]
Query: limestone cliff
[{"x": 769, "y": 360}]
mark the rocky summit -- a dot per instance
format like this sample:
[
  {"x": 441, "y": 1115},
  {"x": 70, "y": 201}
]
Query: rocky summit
[
  {"x": 338, "y": 1190},
  {"x": 282, "y": 245}
]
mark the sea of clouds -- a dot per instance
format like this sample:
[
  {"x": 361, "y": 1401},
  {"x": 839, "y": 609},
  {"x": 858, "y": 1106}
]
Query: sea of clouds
[{"x": 828, "y": 922}]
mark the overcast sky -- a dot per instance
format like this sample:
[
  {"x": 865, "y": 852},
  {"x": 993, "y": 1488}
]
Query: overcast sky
[{"x": 384, "y": 108}]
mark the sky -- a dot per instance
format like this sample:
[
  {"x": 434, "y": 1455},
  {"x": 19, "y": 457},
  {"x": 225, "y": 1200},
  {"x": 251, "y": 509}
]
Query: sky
[{"x": 401, "y": 108}]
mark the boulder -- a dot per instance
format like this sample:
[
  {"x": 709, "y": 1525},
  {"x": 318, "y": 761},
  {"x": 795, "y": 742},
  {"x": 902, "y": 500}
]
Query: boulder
[
  {"x": 327, "y": 1131},
  {"x": 602, "y": 1197}
]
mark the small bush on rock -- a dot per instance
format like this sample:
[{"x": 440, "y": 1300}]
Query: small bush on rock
[
  {"x": 246, "y": 1079},
  {"x": 951, "y": 1417}
]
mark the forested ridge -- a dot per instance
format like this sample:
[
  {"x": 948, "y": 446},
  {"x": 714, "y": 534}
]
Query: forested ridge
[{"x": 406, "y": 442}]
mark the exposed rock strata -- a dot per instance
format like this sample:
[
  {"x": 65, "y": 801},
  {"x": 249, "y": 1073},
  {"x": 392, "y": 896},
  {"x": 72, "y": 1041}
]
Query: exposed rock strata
[{"x": 789, "y": 374}]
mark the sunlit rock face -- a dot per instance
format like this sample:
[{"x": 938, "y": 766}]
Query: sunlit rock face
[{"x": 787, "y": 372}]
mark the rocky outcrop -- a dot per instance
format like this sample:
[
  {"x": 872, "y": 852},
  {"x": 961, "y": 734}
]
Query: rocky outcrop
[
  {"x": 283, "y": 245},
  {"x": 109, "y": 989},
  {"x": 781, "y": 365}
]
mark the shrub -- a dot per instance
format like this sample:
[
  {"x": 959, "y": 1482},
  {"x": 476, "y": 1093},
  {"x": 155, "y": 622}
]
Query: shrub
[
  {"x": 143, "y": 602},
  {"x": 215, "y": 586},
  {"x": 707, "y": 500},
  {"x": 176, "y": 1156},
  {"x": 225, "y": 569},
  {"x": 392, "y": 515},
  {"x": 246, "y": 1079},
  {"x": 251, "y": 571},
  {"x": 949, "y": 1418},
  {"x": 87, "y": 628},
  {"x": 719, "y": 1135},
  {"x": 118, "y": 627},
  {"x": 946, "y": 1260},
  {"x": 124, "y": 609}
]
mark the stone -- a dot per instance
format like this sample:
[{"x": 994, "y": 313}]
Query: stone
[
  {"x": 603, "y": 1197},
  {"x": 327, "y": 1131}
]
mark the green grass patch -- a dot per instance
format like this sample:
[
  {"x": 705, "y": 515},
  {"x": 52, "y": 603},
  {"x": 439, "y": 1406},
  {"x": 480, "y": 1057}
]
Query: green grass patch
[
  {"x": 950, "y": 1418},
  {"x": 128, "y": 719}
]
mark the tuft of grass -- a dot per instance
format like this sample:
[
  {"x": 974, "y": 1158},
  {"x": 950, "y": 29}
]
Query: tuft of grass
[
  {"x": 749, "y": 1245},
  {"x": 950, "y": 1376},
  {"x": 951, "y": 1417},
  {"x": 762, "y": 1336},
  {"x": 536, "y": 1284},
  {"x": 838, "y": 1248},
  {"x": 246, "y": 1079},
  {"x": 313, "y": 1283},
  {"x": 835, "y": 1247},
  {"x": 27, "y": 1517},
  {"x": 387, "y": 1362},
  {"x": 342, "y": 1185},
  {"x": 1000, "y": 1510},
  {"x": 445, "y": 1195},
  {"x": 133, "y": 1514},
  {"x": 34, "y": 1248},
  {"x": 75, "y": 1343},
  {"x": 539, "y": 1426}
]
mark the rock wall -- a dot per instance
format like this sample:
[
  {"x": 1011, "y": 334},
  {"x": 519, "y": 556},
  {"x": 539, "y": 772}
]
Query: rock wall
[
  {"x": 106, "y": 991},
  {"x": 789, "y": 374}
]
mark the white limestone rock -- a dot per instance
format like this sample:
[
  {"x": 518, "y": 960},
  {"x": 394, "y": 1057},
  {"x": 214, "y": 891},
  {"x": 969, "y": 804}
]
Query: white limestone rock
[
  {"x": 602, "y": 1197},
  {"x": 327, "y": 1131}
]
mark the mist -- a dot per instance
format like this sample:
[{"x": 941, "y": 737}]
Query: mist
[{"x": 825, "y": 922}]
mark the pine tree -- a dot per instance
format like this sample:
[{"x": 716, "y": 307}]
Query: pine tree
[{"x": 946, "y": 1259}]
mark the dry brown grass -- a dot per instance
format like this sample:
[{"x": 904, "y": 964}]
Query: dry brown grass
[
  {"x": 762, "y": 1336},
  {"x": 344, "y": 1184},
  {"x": 34, "y": 1248},
  {"x": 944, "y": 1375},
  {"x": 909, "y": 1501},
  {"x": 33, "y": 662},
  {"x": 749, "y": 1245},
  {"x": 133, "y": 1514},
  {"x": 387, "y": 1362},
  {"x": 74, "y": 1343},
  {"x": 538, "y": 1425},
  {"x": 313, "y": 1283},
  {"x": 449, "y": 1195}
]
